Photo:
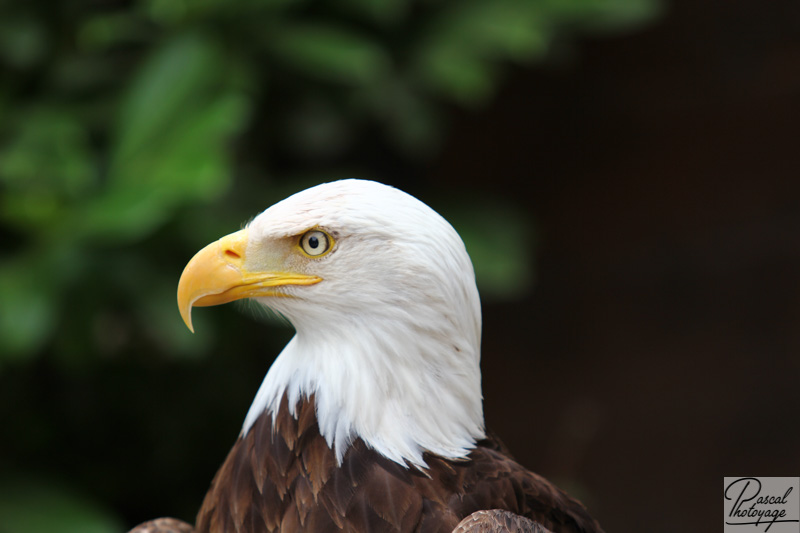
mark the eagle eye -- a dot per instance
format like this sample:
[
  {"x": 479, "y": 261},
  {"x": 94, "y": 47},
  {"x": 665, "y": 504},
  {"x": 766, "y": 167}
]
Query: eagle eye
[{"x": 315, "y": 243}]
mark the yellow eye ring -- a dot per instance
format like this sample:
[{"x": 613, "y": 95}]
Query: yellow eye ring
[{"x": 315, "y": 243}]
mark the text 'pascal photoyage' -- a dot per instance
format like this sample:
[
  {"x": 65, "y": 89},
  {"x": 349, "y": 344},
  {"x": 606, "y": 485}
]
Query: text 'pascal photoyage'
[{"x": 762, "y": 504}]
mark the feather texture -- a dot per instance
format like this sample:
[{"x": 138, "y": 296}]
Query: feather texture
[
  {"x": 371, "y": 419},
  {"x": 389, "y": 341},
  {"x": 283, "y": 476}
]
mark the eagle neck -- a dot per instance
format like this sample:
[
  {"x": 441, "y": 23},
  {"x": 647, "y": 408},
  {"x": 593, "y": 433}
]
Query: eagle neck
[{"x": 421, "y": 394}]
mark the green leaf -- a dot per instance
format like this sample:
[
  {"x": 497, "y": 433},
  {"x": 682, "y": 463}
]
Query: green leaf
[
  {"x": 172, "y": 141},
  {"x": 604, "y": 15},
  {"x": 30, "y": 211},
  {"x": 501, "y": 241},
  {"x": 462, "y": 47},
  {"x": 49, "y": 151},
  {"x": 185, "y": 167},
  {"x": 515, "y": 29},
  {"x": 103, "y": 30},
  {"x": 330, "y": 53},
  {"x": 23, "y": 41},
  {"x": 172, "y": 82},
  {"x": 174, "y": 12},
  {"x": 462, "y": 76},
  {"x": 43, "y": 506},
  {"x": 412, "y": 121},
  {"x": 28, "y": 309},
  {"x": 158, "y": 312},
  {"x": 381, "y": 11}
]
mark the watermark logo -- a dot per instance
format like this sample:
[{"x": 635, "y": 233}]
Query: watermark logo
[{"x": 763, "y": 504}]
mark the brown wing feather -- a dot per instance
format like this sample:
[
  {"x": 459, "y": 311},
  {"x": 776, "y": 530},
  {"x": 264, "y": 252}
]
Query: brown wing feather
[
  {"x": 496, "y": 481},
  {"x": 284, "y": 477}
]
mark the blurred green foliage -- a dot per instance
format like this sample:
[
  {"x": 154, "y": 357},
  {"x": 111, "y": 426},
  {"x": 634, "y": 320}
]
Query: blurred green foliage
[
  {"x": 39, "y": 505},
  {"x": 134, "y": 132}
]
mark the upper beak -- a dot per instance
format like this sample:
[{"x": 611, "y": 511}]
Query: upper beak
[{"x": 217, "y": 275}]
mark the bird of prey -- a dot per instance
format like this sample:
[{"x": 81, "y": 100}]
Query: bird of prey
[{"x": 371, "y": 418}]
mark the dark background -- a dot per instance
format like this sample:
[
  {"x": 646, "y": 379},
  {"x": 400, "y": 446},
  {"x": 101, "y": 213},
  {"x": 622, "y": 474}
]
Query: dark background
[
  {"x": 641, "y": 344},
  {"x": 662, "y": 169}
]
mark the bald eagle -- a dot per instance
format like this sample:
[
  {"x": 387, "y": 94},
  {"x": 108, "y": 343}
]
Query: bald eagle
[{"x": 371, "y": 418}]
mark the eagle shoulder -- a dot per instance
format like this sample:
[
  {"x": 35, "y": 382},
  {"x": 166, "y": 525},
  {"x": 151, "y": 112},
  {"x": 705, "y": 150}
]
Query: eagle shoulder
[{"x": 282, "y": 476}]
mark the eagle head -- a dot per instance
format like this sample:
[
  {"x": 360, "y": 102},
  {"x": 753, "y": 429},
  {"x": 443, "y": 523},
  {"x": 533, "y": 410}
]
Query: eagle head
[{"x": 381, "y": 292}]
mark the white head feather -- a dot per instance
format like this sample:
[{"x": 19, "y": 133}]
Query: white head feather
[{"x": 389, "y": 341}]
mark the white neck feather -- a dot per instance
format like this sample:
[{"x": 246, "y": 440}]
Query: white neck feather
[
  {"x": 389, "y": 342},
  {"x": 403, "y": 391}
]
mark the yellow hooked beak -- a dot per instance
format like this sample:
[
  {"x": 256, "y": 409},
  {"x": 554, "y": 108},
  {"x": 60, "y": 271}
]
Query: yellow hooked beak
[{"x": 218, "y": 275}]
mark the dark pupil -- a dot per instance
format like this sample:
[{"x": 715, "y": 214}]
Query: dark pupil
[{"x": 313, "y": 242}]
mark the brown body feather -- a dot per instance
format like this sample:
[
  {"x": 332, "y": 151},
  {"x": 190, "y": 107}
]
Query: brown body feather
[{"x": 284, "y": 477}]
